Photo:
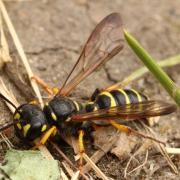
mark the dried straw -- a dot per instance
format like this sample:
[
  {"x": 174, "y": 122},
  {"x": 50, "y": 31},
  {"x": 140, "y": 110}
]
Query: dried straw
[
  {"x": 162, "y": 150},
  {"x": 20, "y": 50},
  {"x": 172, "y": 150},
  {"x": 96, "y": 169},
  {"x": 4, "y": 48}
]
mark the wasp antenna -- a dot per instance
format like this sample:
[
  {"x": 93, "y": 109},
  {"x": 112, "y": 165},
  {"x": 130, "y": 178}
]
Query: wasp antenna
[
  {"x": 7, "y": 100},
  {"x": 6, "y": 126},
  {"x": 148, "y": 137}
]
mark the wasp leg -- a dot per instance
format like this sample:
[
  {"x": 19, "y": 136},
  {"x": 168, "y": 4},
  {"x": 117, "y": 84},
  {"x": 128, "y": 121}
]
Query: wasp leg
[
  {"x": 81, "y": 147},
  {"x": 51, "y": 132},
  {"x": 116, "y": 86},
  {"x": 129, "y": 130},
  {"x": 44, "y": 85},
  {"x": 34, "y": 102}
]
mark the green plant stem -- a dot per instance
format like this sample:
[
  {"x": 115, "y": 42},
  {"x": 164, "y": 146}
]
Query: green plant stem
[
  {"x": 172, "y": 61},
  {"x": 153, "y": 66}
]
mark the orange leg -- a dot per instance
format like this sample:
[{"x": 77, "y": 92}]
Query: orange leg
[
  {"x": 44, "y": 85},
  {"x": 81, "y": 147},
  {"x": 129, "y": 130},
  {"x": 34, "y": 102},
  {"x": 116, "y": 86}
]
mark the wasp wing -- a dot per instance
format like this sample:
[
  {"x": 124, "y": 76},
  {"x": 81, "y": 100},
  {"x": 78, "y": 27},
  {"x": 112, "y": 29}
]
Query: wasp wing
[
  {"x": 105, "y": 41},
  {"x": 129, "y": 111}
]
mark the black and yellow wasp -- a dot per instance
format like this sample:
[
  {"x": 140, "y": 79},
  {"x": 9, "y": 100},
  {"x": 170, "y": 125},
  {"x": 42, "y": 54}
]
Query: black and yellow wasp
[{"x": 106, "y": 106}]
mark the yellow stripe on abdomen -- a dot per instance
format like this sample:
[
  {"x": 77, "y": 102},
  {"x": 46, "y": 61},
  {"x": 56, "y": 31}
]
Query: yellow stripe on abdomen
[
  {"x": 125, "y": 95},
  {"x": 77, "y": 106},
  {"x": 137, "y": 94},
  {"x": 112, "y": 100}
]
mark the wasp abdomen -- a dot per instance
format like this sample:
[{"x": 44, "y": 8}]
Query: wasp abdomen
[
  {"x": 127, "y": 96},
  {"x": 113, "y": 98}
]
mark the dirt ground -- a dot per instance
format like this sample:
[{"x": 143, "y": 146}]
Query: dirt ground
[{"x": 53, "y": 32}]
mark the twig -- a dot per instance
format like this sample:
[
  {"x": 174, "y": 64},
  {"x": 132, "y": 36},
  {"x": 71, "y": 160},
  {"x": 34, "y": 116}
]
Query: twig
[
  {"x": 63, "y": 155},
  {"x": 95, "y": 158},
  {"x": 145, "y": 145},
  {"x": 67, "y": 168},
  {"x": 6, "y": 93},
  {"x": 4, "y": 48},
  {"x": 127, "y": 165},
  {"x": 63, "y": 175},
  {"x": 74, "y": 144},
  {"x": 20, "y": 50},
  {"x": 6, "y": 140},
  {"x": 163, "y": 151},
  {"x": 75, "y": 176},
  {"x": 18, "y": 77},
  {"x": 145, "y": 161},
  {"x": 99, "y": 154},
  {"x": 67, "y": 159},
  {"x": 172, "y": 150},
  {"x": 168, "y": 159},
  {"x": 16, "y": 0},
  {"x": 96, "y": 169}
]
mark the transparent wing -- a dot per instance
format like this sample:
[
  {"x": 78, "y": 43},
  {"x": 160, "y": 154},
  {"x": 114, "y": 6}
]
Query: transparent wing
[
  {"x": 129, "y": 111},
  {"x": 105, "y": 41}
]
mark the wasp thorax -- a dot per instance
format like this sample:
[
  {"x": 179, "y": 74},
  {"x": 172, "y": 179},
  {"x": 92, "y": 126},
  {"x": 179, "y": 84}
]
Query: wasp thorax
[
  {"x": 30, "y": 122},
  {"x": 59, "y": 109}
]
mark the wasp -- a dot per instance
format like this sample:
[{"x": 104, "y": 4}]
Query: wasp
[{"x": 73, "y": 118}]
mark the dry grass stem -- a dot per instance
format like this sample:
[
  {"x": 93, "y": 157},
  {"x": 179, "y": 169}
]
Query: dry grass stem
[
  {"x": 73, "y": 143},
  {"x": 144, "y": 146},
  {"x": 67, "y": 159},
  {"x": 162, "y": 150},
  {"x": 10, "y": 96},
  {"x": 96, "y": 169},
  {"x": 90, "y": 164},
  {"x": 127, "y": 165},
  {"x": 172, "y": 150},
  {"x": 67, "y": 168},
  {"x": 63, "y": 155},
  {"x": 6, "y": 140},
  {"x": 140, "y": 166},
  {"x": 75, "y": 176},
  {"x": 20, "y": 51},
  {"x": 16, "y": 0},
  {"x": 4, "y": 48},
  {"x": 63, "y": 175},
  {"x": 99, "y": 154}
]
